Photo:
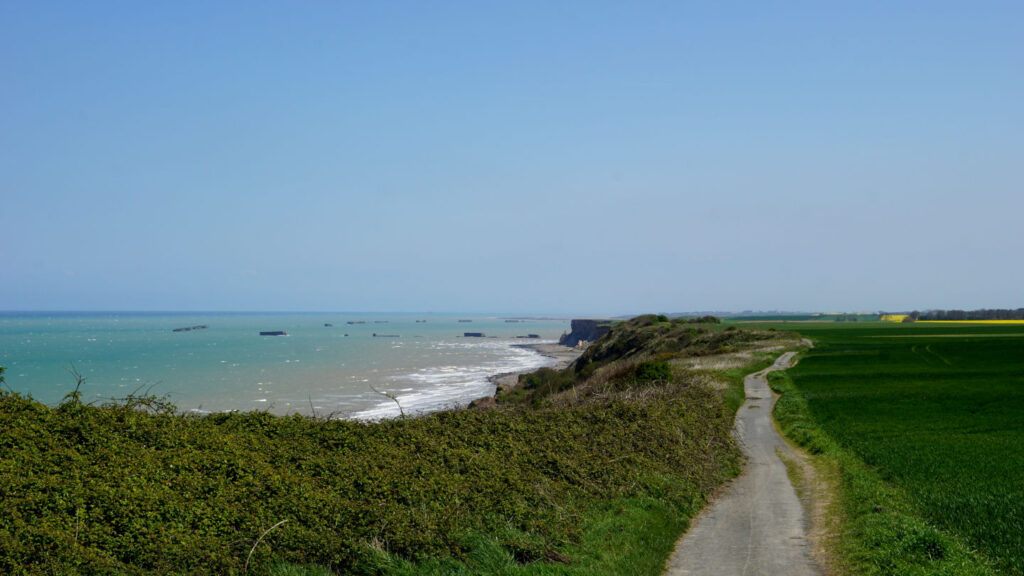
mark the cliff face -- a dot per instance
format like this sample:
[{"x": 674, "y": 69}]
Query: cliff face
[{"x": 585, "y": 331}]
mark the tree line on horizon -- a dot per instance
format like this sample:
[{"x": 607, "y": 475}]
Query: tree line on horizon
[{"x": 982, "y": 314}]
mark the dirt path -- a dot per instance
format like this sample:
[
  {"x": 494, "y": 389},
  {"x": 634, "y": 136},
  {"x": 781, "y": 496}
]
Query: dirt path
[{"x": 757, "y": 526}]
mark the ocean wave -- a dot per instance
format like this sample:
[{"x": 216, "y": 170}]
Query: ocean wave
[{"x": 449, "y": 386}]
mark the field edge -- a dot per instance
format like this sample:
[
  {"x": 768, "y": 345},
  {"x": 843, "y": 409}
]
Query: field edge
[{"x": 877, "y": 531}]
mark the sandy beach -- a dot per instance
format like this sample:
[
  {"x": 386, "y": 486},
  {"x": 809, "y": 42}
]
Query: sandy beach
[{"x": 563, "y": 356}]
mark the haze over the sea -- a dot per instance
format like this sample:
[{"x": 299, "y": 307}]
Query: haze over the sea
[{"x": 511, "y": 157}]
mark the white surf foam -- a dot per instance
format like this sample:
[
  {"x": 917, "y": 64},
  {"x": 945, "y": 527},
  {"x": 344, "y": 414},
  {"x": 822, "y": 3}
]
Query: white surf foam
[{"x": 450, "y": 386}]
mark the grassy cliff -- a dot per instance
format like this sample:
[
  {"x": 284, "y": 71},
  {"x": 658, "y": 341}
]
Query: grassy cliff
[{"x": 595, "y": 469}]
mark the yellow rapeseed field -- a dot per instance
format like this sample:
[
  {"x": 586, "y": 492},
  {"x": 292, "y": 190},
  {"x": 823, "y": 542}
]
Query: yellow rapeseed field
[{"x": 893, "y": 317}]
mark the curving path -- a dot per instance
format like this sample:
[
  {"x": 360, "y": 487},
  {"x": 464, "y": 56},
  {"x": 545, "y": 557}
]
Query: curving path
[{"x": 757, "y": 526}]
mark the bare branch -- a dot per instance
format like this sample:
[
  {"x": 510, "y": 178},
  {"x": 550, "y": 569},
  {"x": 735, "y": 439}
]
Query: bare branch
[
  {"x": 258, "y": 540},
  {"x": 392, "y": 397}
]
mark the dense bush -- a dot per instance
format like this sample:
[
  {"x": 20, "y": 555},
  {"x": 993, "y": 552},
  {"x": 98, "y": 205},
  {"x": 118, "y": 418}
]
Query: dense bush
[
  {"x": 707, "y": 320},
  {"x": 646, "y": 336},
  {"x": 116, "y": 489},
  {"x": 653, "y": 371},
  {"x": 545, "y": 382}
]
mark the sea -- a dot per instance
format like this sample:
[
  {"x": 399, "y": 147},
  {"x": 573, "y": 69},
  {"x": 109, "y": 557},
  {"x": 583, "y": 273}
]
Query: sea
[{"x": 329, "y": 364}]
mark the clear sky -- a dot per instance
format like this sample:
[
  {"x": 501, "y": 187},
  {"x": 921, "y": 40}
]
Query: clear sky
[{"x": 534, "y": 157}]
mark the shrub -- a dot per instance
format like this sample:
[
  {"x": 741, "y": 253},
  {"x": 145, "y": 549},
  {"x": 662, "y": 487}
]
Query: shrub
[
  {"x": 103, "y": 490},
  {"x": 707, "y": 320},
  {"x": 653, "y": 371}
]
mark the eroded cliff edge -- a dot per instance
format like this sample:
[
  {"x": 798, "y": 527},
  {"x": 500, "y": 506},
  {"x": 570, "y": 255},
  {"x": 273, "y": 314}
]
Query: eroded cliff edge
[{"x": 585, "y": 331}]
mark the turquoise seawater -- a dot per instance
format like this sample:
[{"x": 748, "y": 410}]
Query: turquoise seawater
[{"x": 424, "y": 360}]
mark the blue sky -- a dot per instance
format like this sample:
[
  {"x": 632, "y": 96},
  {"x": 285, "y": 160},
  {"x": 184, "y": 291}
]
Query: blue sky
[{"x": 536, "y": 157}]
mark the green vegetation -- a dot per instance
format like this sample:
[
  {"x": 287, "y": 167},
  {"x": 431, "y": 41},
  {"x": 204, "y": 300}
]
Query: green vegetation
[
  {"x": 577, "y": 472},
  {"x": 773, "y": 318},
  {"x": 926, "y": 424},
  {"x": 650, "y": 336},
  {"x": 653, "y": 371},
  {"x": 961, "y": 315},
  {"x": 803, "y": 318}
]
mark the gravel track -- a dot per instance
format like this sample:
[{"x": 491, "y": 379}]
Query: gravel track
[{"x": 758, "y": 525}]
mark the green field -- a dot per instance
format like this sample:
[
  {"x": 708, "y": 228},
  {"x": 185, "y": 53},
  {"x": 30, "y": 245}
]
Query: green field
[{"x": 937, "y": 412}]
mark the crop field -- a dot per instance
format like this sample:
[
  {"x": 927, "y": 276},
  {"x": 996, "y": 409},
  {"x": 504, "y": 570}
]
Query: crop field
[{"x": 938, "y": 411}]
